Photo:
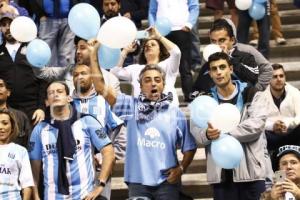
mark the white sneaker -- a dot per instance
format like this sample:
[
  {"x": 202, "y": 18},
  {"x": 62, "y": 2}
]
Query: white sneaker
[
  {"x": 254, "y": 42},
  {"x": 280, "y": 41}
]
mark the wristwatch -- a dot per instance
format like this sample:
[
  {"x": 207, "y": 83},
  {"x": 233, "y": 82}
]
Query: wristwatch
[{"x": 100, "y": 183}]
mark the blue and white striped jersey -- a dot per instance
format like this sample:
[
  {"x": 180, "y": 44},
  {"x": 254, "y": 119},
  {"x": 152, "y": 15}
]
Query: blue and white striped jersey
[
  {"x": 80, "y": 172},
  {"x": 97, "y": 106}
]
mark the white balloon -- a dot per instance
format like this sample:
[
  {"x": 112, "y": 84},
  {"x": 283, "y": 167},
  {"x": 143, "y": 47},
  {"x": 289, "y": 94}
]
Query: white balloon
[
  {"x": 23, "y": 29},
  {"x": 210, "y": 49},
  {"x": 243, "y": 4},
  {"x": 225, "y": 117},
  {"x": 117, "y": 32}
]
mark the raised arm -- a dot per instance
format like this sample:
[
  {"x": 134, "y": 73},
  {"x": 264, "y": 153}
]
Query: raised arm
[
  {"x": 107, "y": 92},
  {"x": 172, "y": 65},
  {"x": 154, "y": 33}
]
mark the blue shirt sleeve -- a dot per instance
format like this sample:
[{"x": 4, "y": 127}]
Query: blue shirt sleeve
[
  {"x": 35, "y": 144},
  {"x": 111, "y": 120},
  {"x": 22, "y": 11},
  {"x": 194, "y": 11},
  {"x": 99, "y": 137},
  {"x": 187, "y": 141},
  {"x": 124, "y": 107},
  {"x": 152, "y": 12}
]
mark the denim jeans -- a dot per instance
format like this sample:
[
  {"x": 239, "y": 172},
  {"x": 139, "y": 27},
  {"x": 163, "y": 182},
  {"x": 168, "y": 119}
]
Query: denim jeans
[
  {"x": 195, "y": 48},
  {"x": 164, "y": 191},
  {"x": 263, "y": 29},
  {"x": 60, "y": 38}
]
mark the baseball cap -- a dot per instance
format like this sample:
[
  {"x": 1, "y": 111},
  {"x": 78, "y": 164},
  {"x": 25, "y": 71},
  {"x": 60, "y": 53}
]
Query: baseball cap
[
  {"x": 8, "y": 15},
  {"x": 288, "y": 149}
]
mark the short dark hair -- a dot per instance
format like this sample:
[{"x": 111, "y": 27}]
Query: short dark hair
[
  {"x": 77, "y": 39},
  {"x": 276, "y": 66},
  {"x": 222, "y": 24},
  {"x": 163, "y": 54},
  {"x": 218, "y": 56},
  {"x": 5, "y": 84},
  {"x": 152, "y": 67},
  {"x": 101, "y": 2},
  {"x": 60, "y": 82},
  {"x": 79, "y": 65},
  {"x": 14, "y": 124}
]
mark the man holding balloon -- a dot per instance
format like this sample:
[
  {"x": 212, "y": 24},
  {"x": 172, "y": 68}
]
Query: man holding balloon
[
  {"x": 249, "y": 65},
  {"x": 235, "y": 171},
  {"x": 28, "y": 91}
]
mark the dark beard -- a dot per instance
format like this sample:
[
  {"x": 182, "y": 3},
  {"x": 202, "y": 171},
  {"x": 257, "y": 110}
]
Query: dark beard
[
  {"x": 82, "y": 89},
  {"x": 110, "y": 15},
  {"x": 9, "y": 39}
]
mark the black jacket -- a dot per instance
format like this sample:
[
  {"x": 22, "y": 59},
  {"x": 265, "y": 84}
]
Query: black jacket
[
  {"x": 138, "y": 9},
  {"x": 244, "y": 67},
  {"x": 27, "y": 91}
]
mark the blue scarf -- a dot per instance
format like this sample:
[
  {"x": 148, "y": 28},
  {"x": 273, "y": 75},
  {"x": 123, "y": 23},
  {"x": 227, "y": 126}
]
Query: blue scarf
[
  {"x": 147, "y": 108},
  {"x": 65, "y": 145}
]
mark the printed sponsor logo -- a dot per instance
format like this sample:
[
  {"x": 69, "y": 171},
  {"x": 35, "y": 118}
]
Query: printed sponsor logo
[
  {"x": 11, "y": 155},
  {"x": 31, "y": 146},
  {"x": 101, "y": 133},
  {"x": 151, "y": 139},
  {"x": 152, "y": 133},
  {"x": 50, "y": 148},
  {"x": 5, "y": 170}
]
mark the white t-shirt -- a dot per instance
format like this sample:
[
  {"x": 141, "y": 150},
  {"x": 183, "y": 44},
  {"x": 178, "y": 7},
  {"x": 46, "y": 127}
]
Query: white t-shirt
[
  {"x": 15, "y": 171},
  {"x": 170, "y": 66},
  {"x": 12, "y": 48}
]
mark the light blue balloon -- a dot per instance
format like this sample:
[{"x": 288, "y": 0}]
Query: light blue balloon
[
  {"x": 84, "y": 20},
  {"x": 260, "y": 1},
  {"x": 38, "y": 53},
  {"x": 257, "y": 11},
  {"x": 163, "y": 25},
  {"x": 108, "y": 57},
  {"x": 227, "y": 152},
  {"x": 201, "y": 110}
]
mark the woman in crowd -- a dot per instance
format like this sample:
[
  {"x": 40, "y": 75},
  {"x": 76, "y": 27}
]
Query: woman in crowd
[
  {"x": 15, "y": 170},
  {"x": 155, "y": 50}
]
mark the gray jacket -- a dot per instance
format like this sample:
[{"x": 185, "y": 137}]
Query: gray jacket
[{"x": 250, "y": 133}]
